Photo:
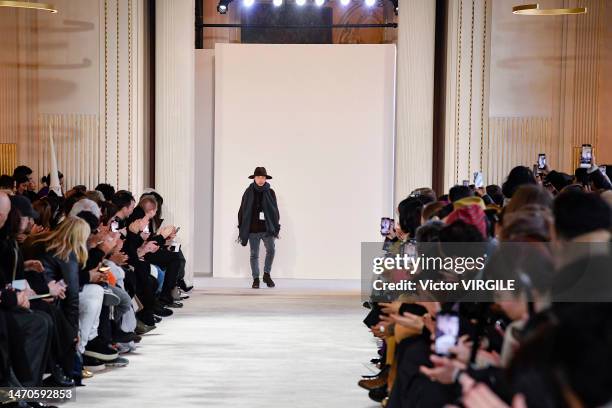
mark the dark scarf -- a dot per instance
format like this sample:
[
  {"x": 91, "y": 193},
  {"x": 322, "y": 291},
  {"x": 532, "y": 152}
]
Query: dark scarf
[{"x": 269, "y": 207}]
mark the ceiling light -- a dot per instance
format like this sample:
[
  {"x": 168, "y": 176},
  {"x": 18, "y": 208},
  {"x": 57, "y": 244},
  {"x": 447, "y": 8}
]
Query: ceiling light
[
  {"x": 29, "y": 5},
  {"x": 535, "y": 10}
]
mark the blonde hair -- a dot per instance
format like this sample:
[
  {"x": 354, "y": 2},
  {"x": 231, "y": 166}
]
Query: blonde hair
[{"x": 69, "y": 236}]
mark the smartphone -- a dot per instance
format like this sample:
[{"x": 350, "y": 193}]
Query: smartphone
[
  {"x": 586, "y": 156},
  {"x": 603, "y": 170},
  {"x": 447, "y": 332},
  {"x": 174, "y": 247},
  {"x": 386, "y": 225},
  {"x": 114, "y": 226},
  {"x": 541, "y": 161},
  {"x": 177, "y": 230},
  {"x": 146, "y": 229},
  {"x": 478, "y": 181},
  {"x": 466, "y": 183}
]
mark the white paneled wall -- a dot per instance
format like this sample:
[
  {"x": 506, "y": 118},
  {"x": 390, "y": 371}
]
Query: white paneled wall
[
  {"x": 415, "y": 93},
  {"x": 174, "y": 117}
]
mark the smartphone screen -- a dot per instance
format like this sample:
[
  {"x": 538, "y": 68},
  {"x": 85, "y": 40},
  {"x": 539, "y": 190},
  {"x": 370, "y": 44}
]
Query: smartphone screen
[
  {"x": 603, "y": 170},
  {"x": 541, "y": 161},
  {"x": 386, "y": 225},
  {"x": 466, "y": 183},
  {"x": 586, "y": 156},
  {"x": 114, "y": 226},
  {"x": 146, "y": 229},
  {"x": 447, "y": 332},
  {"x": 478, "y": 181}
]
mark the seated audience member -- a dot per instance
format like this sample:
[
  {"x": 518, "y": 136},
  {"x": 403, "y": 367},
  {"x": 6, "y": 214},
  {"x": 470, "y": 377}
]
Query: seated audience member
[
  {"x": 30, "y": 190},
  {"x": 46, "y": 181},
  {"x": 107, "y": 191},
  {"x": 30, "y": 331},
  {"x": 172, "y": 262},
  {"x": 62, "y": 252}
]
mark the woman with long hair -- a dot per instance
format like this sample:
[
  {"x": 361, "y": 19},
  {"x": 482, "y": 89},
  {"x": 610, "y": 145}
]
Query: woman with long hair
[{"x": 63, "y": 252}]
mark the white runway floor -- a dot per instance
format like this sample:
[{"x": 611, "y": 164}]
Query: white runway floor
[{"x": 301, "y": 344}]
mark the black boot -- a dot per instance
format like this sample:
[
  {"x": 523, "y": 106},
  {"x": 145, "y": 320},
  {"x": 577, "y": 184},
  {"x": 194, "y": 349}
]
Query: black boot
[
  {"x": 59, "y": 378},
  {"x": 255, "y": 283},
  {"x": 268, "y": 280},
  {"x": 181, "y": 284}
]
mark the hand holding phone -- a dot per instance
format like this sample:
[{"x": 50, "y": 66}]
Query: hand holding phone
[
  {"x": 386, "y": 226},
  {"x": 447, "y": 332},
  {"x": 586, "y": 156},
  {"x": 541, "y": 161}
]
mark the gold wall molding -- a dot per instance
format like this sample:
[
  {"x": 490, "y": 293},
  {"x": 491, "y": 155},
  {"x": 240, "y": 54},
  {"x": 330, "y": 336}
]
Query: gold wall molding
[{"x": 8, "y": 158}]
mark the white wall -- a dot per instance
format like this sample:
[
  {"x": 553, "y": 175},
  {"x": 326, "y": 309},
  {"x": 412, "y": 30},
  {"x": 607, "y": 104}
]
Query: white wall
[
  {"x": 204, "y": 135},
  {"x": 320, "y": 118}
]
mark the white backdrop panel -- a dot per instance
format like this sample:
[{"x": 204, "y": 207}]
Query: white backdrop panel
[{"x": 320, "y": 118}]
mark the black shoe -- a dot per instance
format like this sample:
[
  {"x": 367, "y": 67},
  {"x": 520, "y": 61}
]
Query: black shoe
[
  {"x": 173, "y": 304},
  {"x": 162, "y": 311},
  {"x": 157, "y": 319},
  {"x": 93, "y": 364},
  {"x": 142, "y": 328},
  {"x": 181, "y": 284},
  {"x": 146, "y": 316},
  {"x": 255, "y": 283},
  {"x": 60, "y": 378},
  {"x": 268, "y": 280},
  {"x": 378, "y": 394},
  {"x": 97, "y": 349},
  {"x": 122, "y": 337}
]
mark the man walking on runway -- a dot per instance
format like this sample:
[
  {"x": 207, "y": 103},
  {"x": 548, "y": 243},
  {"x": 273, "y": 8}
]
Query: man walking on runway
[{"x": 258, "y": 220}]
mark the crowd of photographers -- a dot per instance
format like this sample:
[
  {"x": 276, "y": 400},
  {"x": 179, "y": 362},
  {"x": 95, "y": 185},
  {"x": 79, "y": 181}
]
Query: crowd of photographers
[
  {"x": 521, "y": 349},
  {"x": 83, "y": 275}
]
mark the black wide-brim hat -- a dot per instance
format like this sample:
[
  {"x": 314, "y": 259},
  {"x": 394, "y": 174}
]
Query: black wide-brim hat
[{"x": 260, "y": 171}]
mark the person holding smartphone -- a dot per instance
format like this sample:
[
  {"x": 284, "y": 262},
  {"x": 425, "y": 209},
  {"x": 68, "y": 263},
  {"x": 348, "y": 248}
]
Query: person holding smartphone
[{"x": 258, "y": 220}]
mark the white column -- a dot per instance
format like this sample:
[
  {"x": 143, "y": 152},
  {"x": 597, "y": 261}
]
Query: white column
[
  {"x": 415, "y": 91},
  {"x": 174, "y": 117}
]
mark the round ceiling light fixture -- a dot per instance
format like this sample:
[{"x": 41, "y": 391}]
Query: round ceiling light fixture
[
  {"x": 29, "y": 5},
  {"x": 535, "y": 10}
]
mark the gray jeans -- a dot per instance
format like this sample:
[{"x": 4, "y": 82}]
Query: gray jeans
[{"x": 268, "y": 241}]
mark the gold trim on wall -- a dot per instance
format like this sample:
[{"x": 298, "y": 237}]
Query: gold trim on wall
[{"x": 8, "y": 158}]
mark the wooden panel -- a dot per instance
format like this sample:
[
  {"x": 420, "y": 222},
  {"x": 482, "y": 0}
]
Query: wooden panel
[
  {"x": 517, "y": 141},
  {"x": 76, "y": 146},
  {"x": 8, "y": 158}
]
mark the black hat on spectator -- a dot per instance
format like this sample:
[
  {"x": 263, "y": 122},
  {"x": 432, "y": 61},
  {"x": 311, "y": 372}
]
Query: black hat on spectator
[{"x": 24, "y": 206}]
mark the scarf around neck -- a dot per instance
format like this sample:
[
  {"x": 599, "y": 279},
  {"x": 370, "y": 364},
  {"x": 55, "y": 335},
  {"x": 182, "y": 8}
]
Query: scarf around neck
[{"x": 269, "y": 206}]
